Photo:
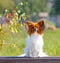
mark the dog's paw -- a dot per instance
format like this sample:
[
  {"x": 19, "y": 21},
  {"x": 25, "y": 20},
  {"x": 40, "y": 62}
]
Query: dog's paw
[
  {"x": 43, "y": 55},
  {"x": 22, "y": 55}
]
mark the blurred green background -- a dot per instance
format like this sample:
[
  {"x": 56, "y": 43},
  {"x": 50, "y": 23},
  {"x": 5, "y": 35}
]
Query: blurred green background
[{"x": 14, "y": 13}]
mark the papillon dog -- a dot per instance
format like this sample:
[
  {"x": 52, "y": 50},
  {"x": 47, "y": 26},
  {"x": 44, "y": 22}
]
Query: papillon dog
[{"x": 35, "y": 43}]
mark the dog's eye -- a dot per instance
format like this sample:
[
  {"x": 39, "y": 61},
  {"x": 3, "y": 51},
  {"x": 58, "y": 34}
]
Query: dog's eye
[{"x": 32, "y": 27}]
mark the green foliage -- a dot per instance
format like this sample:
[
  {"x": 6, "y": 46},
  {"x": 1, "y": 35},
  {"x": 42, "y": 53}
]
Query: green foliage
[
  {"x": 56, "y": 7},
  {"x": 14, "y": 21},
  {"x": 17, "y": 17},
  {"x": 28, "y": 6},
  {"x": 34, "y": 5},
  {"x": 9, "y": 4},
  {"x": 22, "y": 7},
  {"x": 38, "y": 5}
]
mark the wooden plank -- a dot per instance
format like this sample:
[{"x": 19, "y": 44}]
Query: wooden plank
[{"x": 29, "y": 60}]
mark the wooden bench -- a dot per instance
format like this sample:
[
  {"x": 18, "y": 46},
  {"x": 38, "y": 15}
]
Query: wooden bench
[{"x": 29, "y": 60}]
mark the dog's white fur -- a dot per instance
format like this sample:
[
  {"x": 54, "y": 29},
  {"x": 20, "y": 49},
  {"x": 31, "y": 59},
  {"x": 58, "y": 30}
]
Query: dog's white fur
[{"x": 34, "y": 46}]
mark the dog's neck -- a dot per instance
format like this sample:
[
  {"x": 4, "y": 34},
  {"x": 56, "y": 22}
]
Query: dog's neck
[{"x": 36, "y": 37}]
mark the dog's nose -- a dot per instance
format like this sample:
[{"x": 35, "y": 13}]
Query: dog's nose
[{"x": 35, "y": 29}]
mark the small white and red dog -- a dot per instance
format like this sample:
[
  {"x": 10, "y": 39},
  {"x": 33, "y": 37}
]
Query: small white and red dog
[{"x": 35, "y": 43}]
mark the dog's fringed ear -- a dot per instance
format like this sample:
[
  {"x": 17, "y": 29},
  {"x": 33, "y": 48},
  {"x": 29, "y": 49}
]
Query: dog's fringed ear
[
  {"x": 27, "y": 24},
  {"x": 41, "y": 23}
]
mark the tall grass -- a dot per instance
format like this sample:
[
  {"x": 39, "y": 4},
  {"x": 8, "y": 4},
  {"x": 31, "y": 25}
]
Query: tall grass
[
  {"x": 14, "y": 43},
  {"x": 52, "y": 42}
]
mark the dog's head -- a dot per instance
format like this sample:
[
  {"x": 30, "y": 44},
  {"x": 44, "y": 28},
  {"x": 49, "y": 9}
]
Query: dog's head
[{"x": 38, "y": 27}]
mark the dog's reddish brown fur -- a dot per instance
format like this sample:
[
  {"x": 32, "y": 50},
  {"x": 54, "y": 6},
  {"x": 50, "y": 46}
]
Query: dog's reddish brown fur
[{"x": 39, "y": 26}]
